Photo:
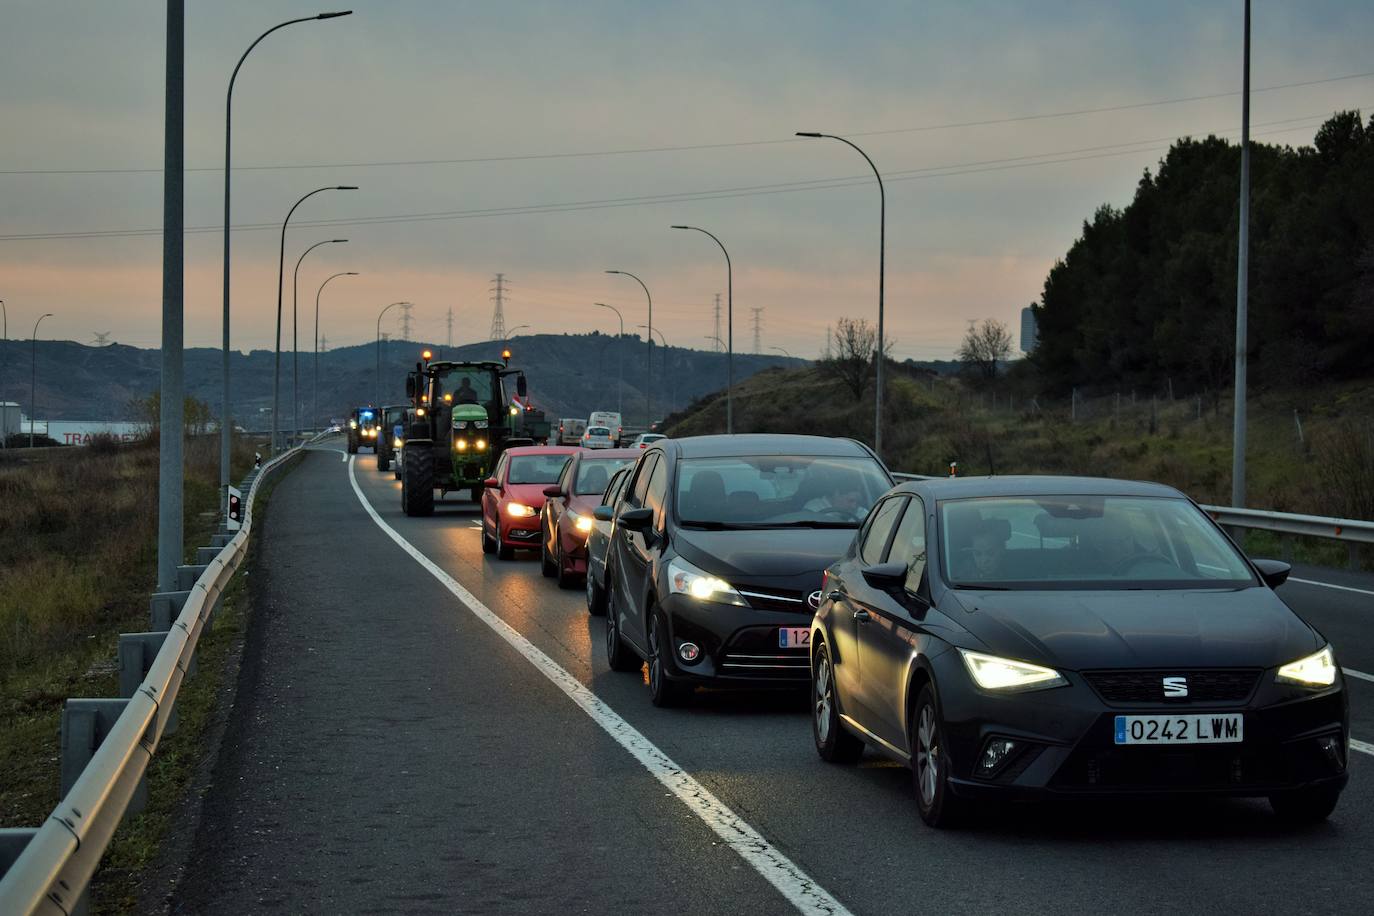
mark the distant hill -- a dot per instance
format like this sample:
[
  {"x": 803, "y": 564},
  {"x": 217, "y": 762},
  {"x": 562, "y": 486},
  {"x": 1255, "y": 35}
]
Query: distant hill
[{"x": 569, "y": 375}]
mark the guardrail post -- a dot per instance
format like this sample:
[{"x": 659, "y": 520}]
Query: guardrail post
[
  {"x": 206, "y": 555},
  {"x": 221, "y": 540},
  {"x": 12, "y": 843},
  {"x": 187, "y": 576},
  {"x": 85, "y": 723},
  {"x": 164, "y": 607}
]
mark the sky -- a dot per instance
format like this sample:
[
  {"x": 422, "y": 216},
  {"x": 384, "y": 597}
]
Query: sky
[{"x": 584, "y": 131}]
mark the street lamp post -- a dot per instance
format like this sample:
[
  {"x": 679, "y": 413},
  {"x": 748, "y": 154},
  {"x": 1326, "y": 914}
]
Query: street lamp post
[
  {"x": 511, "y": 332},
  {"x": 672, "y": 379},
  {"x": 729, "y": 331},
  {"x": 649, "y": 366},
  {"x": 281, "y": 269},
  {"x": 4, "y": 373},
  {"x": 1242, "y": 287},
  {"x": 33, "y": 374},
  {"x": 315, "y": 411},
  {"x": 225, "y": 427},
  {"x": 782, "y": 351},
  {"x": 882, "y": 246},
  {"x": 378, "y": 402},
  {"x": 295, "y": 353},
  {"x": 619, "y": 362}
]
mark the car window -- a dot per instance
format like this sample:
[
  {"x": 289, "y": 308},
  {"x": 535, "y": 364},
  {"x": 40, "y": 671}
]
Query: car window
[
  {"x": 641, "y": 482},
  {"x": 909, "y": 544},
  {"x": 1085, "y": 541},
  {"x": 500, "y": 472},
  {"x": 598, "y": 431},
  {"x": 592, "y": 474},
  {"x": 612, "y": 494},
  {"x": 537, "y": 468},
  {"x": 875, "y": 538},
  {"x": 658, "y": 488}
]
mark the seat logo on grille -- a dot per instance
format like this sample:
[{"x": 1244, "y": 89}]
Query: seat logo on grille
[
  {"x": 1175, "y": 686},
  {"x": 813, "y": 601}
]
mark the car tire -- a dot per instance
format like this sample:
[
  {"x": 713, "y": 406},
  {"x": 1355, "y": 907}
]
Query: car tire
[
  {"x": 352, "y": 446},
  {"x": 546, "y": 567},
  {"x": 417, "y": 483},
  {"x": 566, "y": 579},
  {"x": 488, "y": 545},
  {"x": 503, "y": 551},
  {"x": 833, "y": 742},
  {"x": 1305, "y": 806},
  {"x": 596, "y": 597},
  {"x": 619, "y": 655},
  {"x": 396, "y": 471},
  {"x": 936, "y": 802},
  {"x": 663, "y": 692},
  {"x": 475, "y": 494}
]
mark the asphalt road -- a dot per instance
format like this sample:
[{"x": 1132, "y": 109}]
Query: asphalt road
[{"x": 393, "y": 752}]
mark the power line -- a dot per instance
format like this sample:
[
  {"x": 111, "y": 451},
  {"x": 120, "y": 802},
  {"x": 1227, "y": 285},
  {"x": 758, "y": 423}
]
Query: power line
[
  {"x": 817, "y": 184},
  {"x": 585, "y": 154}
]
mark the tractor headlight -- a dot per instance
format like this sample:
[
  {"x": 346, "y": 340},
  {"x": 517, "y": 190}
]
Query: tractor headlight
[
  {"x": 397, "y": 443},
  {"x": 460, "y": 444},
  {"x": 481, "y": 445}
]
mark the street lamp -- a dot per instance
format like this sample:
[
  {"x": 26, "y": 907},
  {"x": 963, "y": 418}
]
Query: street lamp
[
  {"x": 672, "y": 379},
  {"x": 4, "y": 365},
  {"x": 782, "y": 351},
  {"x": 511, "y": 332},
  {"x": 729, "y": 331},
  {"x": 378, "y": 402},
  {"x": 315, "y": 412},
  {"x": 619, "y": 362},
  {"x": 295, "y": 354},
  {"x": 33, "y": 373},
  {"x": 882, "y": 239},
  {"x": 281, "y": 269},
  {"x": 649, "y": 366},
  {"x": 225, "y": 428}
]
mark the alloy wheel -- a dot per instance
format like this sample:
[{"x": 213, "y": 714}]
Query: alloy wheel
[
  {"x": 824, "y": 699},
  {"x": 927, "y": 755}
]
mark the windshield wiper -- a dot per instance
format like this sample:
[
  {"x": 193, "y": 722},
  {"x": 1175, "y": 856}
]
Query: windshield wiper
[
  {"x": 968, "y": 586},
  {"x": 814, "y": 523}
]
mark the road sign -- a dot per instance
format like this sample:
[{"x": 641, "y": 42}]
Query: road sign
[{"x": 235, "y": 521}]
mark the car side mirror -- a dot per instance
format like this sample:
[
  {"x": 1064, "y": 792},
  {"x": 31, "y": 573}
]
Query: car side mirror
[
  {"x": 553, "y": 492},
  {"x": 885, "y": 576},
  {"x": 637, "y": 519},
  {"x": 491, "y": 483},
  {"x": 604, "y": 514},
  {"x": 1273, "y": 572}
]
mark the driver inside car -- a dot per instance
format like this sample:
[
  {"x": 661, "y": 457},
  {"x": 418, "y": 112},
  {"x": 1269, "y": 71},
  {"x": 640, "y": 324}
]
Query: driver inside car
[{"x": 841, "y": 499}]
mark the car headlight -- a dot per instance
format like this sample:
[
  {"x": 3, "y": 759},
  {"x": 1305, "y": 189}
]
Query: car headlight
[
  {"x": 519, "y": 510},
  {"x": 397, "y": 443},
  {"x": 582, "y": 523},
  {"x": 1316, "y": 670},
  {"x": 1008, "y": 676},
  {"x": 686, "y": 579},
  {"x": 352, "y": 424}
]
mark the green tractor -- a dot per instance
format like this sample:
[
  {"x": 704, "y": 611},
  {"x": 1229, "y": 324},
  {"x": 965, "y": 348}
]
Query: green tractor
[
  {"x": 392, "y": 417},
  {"x": 463, "y": 420},
  {"x": 363, "y": 423}
]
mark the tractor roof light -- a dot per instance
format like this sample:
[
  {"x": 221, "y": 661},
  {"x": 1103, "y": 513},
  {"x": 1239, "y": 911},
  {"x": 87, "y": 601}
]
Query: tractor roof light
[{"x": 426, "y": 355}]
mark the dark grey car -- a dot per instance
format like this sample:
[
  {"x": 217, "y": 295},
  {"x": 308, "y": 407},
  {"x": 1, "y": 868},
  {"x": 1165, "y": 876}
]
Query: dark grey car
[{"x": 599, "y": 539}]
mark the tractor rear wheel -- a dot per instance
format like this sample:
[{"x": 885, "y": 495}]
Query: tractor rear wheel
[
  {"x": 417, "y": 481},
  {"x": 383, "y": 461}
]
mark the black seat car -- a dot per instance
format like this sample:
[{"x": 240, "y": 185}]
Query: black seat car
[
  {"x": 715, "y": 559},
  {"x": 1058, "y": 636}
]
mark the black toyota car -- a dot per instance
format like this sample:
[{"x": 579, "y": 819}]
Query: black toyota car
[
  {"x": 717, "y": 551},
  {"x": 1040, "y": 636}
]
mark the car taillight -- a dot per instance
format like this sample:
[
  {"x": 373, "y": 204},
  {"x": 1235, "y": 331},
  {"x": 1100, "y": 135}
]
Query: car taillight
[{"x": 825, "y": 583}]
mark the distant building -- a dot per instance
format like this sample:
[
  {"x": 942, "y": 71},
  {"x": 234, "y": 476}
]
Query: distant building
[
  {"x": 9, "y": 419},
  {"x": 1030, "y": 333}
]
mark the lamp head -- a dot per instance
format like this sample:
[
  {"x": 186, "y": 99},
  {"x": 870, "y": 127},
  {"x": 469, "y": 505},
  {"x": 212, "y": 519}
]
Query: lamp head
[
  {"x": 346, "y": 187},
  {"x": 337, "y": 241},
  {"x": 334, "y": 15},
  {"x": 808, "y": 133},
  {"x": 682, "y": 227}
]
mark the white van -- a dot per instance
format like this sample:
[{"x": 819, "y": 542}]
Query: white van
[
  {"x": 570, "y": 430},
  {"x": 609, "y": 419}
]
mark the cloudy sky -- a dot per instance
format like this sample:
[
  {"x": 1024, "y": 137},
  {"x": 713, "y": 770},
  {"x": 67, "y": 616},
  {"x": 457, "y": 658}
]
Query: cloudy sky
[{"x": 550, "y": 141}]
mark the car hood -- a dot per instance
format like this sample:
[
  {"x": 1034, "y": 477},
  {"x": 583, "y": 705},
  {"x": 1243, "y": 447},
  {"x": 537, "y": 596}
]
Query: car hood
[
  {"x": 531, "y": 494},
  {"x": 584, "y": 505},
  {"x": 1247, "y": 627},
  {"x": 784, "y": 558}
]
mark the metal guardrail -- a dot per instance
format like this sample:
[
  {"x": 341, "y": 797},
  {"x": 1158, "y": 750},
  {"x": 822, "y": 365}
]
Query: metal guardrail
[{"x": 58, "y": 859}]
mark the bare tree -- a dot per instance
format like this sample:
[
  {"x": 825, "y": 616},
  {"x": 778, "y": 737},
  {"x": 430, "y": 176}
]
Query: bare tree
[
  {"x": 987, "y": 343},
  {"x": 851, "y": 354}
]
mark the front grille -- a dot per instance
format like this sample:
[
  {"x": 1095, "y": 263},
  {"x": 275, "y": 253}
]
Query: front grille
[
  {"x": 787, "y": 664},
  {"x": 1216, "y": 685},
  {"x": 773, "y": 599}
]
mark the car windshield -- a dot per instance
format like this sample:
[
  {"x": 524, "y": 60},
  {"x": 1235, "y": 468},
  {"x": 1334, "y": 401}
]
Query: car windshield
[
  {"x": 1085, "y": 542},
  {"x": 594, "y": 473},
  {"x": 777, "y": 491},
  {"x": 536, "y": 468},
  {"x": 598, "y": 431},
  {"x": 468, "y": 386}
]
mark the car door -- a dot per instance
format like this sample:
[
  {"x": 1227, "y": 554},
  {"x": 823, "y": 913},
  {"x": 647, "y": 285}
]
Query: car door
[
  {"x": 630, "y": 566},
  {"x": 857, "y": 608},
  {"x": 597, "y": 538},
  {"x": 491, "y": 498},
  {"x": 893, "y": 632},
  {"x": 554, "y": 505}
]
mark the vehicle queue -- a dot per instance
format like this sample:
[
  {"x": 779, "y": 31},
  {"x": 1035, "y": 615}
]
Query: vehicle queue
[{"x": 1003, "y": 637}]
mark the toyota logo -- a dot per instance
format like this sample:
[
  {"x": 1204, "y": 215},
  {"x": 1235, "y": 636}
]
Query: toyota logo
[{"x": 813, "y": 601}]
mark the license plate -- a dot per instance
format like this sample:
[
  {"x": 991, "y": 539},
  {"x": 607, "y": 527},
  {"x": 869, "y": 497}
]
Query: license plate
[
  {"x": 794, "y": 637},
  {"x": 1193, "y": 728}
]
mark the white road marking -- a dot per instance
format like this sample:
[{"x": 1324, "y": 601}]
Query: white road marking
[
  {"x": 1360, "y": 675},
  {"x": 794, "y": 884},
  {"x": 1364, "y": 747},
  {"x": 1343, "y": 588}
]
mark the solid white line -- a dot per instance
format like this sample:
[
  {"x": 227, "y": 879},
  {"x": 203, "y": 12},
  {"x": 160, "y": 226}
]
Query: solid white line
[
  {"x": 1351, "y": 672},
  {"x": 1343, "y": 588},
  {"x": 794, "y": 884},
  {"x": 1364, "y": 747}
]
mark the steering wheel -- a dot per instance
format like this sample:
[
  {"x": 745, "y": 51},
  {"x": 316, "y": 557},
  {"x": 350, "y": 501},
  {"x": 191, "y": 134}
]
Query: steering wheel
[
  {"x": 1130, "y": 563},
  {"x": 843, "y": 515}
]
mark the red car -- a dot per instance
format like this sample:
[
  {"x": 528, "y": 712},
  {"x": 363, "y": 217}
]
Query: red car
[
  {"x": 513, "y": 497},
  {"x": 567, "y": 515}
]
